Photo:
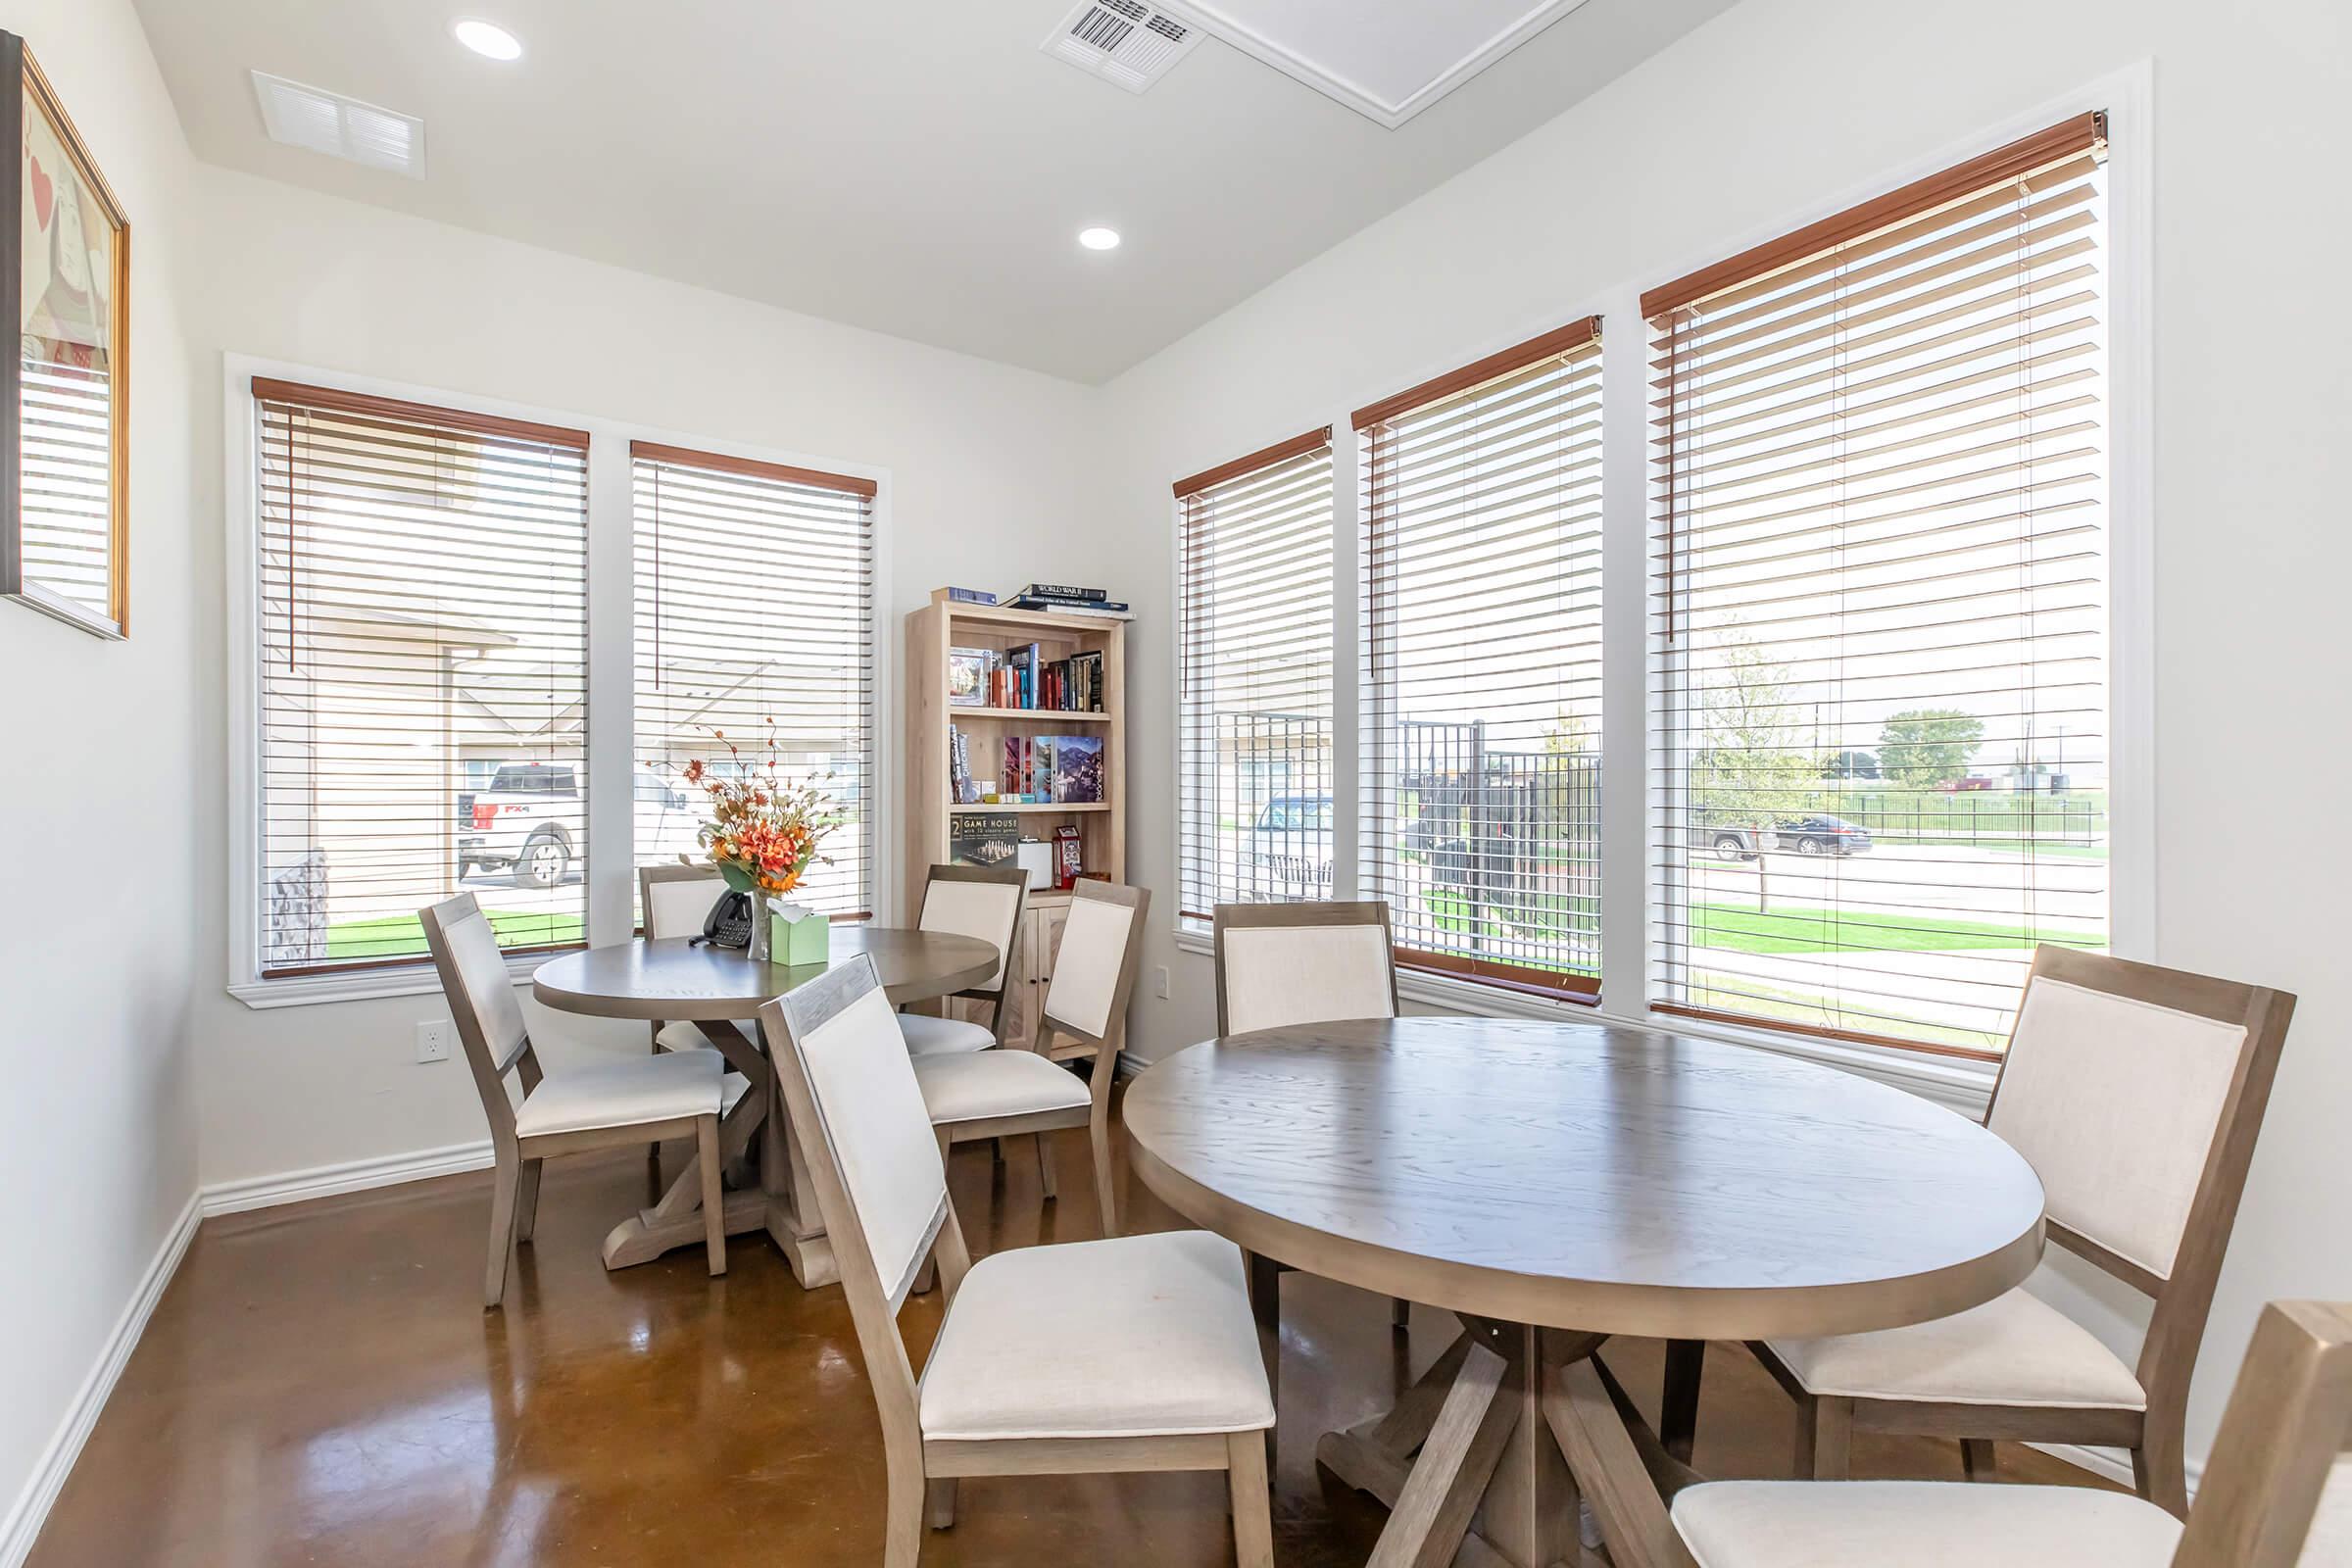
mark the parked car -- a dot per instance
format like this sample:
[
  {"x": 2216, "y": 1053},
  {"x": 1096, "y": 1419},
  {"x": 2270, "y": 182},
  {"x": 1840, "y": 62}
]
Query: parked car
[
  {"x": 1822, "y": 835},
  {"x": 1287, "y": 849},
  {"x": 1817, "y": 834},
  {"x": 533, "y": 819}
]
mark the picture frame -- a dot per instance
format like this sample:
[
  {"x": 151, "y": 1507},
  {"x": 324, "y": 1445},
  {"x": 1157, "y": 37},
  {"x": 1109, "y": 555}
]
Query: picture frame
[
  {"x": 968, "y": 670},
  {"x": 64, "y": 404}
]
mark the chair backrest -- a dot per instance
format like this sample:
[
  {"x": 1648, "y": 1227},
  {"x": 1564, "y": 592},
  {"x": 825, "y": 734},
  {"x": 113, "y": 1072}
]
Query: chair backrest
[
  {"x": 2277, "y": 1491},
  {"x": 481, "y": 1002},
  {"x": 2136, "y": 1093},
  {"x": 984, "y": 902},
  {"x": 1094, "y": 974},
  {"x": 859, "y": 1117},
  {"x": 1286, "y": 963},
  {"x": 678, "y": 898}
]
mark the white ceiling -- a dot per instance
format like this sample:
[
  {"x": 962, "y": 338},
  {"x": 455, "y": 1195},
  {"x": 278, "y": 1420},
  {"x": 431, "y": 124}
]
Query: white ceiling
[
  {"x": 1390, "y": 62},
  {"x": 918, "y": 167}
]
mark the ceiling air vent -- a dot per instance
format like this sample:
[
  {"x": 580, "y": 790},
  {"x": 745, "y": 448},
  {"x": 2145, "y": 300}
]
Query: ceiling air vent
[
  {"x": 1122, "y": 40},
  {"x": 322, "y": 122}
]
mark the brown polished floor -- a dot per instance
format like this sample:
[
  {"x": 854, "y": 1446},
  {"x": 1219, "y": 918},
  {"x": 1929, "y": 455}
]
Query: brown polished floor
[{"x": 320, "y": 1386}]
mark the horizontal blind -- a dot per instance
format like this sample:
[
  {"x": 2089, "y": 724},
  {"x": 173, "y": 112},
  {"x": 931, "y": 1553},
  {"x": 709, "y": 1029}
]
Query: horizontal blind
[
  {"x": 1481, "y": 670},
  {"x": 1255, "y": 775},
  {"x": 754, "y": 618},
  {"x": 1879, "y": 608},
  {"x": 422, "y": 619},
  {"x": 66, "y": 542}
]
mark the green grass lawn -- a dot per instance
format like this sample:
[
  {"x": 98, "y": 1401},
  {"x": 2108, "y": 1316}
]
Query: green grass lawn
[
  {"x": 1801, "y": 931},
  {"x": 394, "y": 936}
]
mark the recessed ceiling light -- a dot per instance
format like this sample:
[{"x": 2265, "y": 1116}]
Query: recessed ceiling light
[
  {"x": 488, "y": 39},
  {"x": 1098, "y": 239}
]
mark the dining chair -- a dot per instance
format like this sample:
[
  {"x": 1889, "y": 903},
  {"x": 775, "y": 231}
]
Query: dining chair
[
  {"x": 1160, "y": 1371},
  {"x": 1000, "y": 1094},
  {"x": 2277, "y": 1494},
  {"x": 1290, "y": 964},
  {"x": 2136, "y": 1093},
  {"x": 676, "y": 902},
  {"x": 970, "y": 901},
  {"x": 614, "y": 1104}
]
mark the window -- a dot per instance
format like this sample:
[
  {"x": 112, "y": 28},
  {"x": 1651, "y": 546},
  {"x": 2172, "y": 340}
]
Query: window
[
  {"x": 1254, "y": 769},
  {"x": 1481, "y": 656},
  {"x": 755, "y": 616},
  {"x": 422, "y": 587},
  {"x": 1879, "y": 607}
]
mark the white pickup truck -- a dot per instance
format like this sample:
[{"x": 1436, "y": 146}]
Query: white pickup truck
[{"x": 533, "y": 819}]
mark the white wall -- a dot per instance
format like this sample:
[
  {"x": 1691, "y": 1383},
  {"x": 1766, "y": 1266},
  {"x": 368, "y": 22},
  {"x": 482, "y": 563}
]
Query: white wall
[
  {"x": 992, "y": 479},
  {"x": 1767, "y": 113},
  {"x": 97, "y": 1126}
]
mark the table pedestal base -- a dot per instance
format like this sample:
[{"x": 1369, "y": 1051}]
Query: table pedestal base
[{"x": 1489, "y": 1461}]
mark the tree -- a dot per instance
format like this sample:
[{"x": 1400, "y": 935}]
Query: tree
[
  {"x": 1753, "y": 773},
  {"x": 1850, "y": 765},
  {"x": 1921, "y": 747}
]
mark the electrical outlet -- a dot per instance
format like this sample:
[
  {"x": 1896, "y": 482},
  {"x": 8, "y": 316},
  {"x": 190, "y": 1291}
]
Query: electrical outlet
[
  {"x": 432, "y": 1041},
  {"x": 1160, "y": 981}
]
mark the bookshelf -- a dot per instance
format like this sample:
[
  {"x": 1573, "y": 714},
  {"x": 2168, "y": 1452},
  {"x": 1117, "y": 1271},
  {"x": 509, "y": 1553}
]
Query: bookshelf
[{"x": 931, "y": 809}]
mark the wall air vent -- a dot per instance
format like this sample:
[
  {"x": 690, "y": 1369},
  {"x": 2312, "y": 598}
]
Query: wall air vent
[
  {"x": 322, "y": 122},
  {"x": 1124, "y": 41}
]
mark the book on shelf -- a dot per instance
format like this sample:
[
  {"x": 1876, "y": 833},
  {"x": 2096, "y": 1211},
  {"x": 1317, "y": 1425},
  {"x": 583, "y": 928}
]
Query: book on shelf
[
  {"x": 971, "y": 596},
  {"x": 1055, "y": 591},
  {"x": 1050, "y": 770},
  {"x": 983, "y": 838},
  {"x": 967, "y": 675},
  {"x": 1025, "y": 679},
  {"x": 1109, "y": 610}
]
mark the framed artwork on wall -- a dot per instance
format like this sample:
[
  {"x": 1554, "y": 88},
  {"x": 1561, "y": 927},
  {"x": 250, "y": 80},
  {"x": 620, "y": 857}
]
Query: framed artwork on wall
[{"x": 65, "y": 450}]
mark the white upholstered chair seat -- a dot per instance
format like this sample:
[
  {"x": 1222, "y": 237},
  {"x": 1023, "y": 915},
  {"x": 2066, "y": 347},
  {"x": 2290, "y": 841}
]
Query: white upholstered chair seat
[
  {"x": 1919, "y": 1523},
  {"x": 624, "y": 1093},
  {"x": 684, "y": 1036},
  {"x": 2014, "y": 1349},
  {"x": 995, "y": 1083},
  {"x": 927, "y": 1036},
  {"x": 1164, "y": 1346}
]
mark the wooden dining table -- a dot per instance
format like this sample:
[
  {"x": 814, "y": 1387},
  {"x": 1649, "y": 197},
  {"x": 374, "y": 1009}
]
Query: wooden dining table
[
  {"x": 1554, "y": 1185},
  {"x": 679, "y": 979}
]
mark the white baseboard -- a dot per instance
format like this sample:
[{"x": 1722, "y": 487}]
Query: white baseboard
[
  {"x": 348, "y": 1176},
  {"x": 31, "y": 1508}
]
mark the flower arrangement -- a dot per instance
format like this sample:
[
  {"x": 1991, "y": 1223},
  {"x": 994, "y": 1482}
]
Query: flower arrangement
[{"x": 764, "y": 830}]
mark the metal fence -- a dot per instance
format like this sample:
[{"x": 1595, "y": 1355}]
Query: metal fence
[{"x": 1492, "y": 854}]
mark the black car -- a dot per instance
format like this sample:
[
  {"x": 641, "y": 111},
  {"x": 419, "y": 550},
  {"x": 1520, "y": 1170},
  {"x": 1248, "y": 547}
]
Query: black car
[{"x": 1822, "y": 835}]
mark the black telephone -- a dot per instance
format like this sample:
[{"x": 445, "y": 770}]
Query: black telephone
[{"x": 729, "y": 922}]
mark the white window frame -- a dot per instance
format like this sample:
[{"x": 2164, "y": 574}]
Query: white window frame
[
  {"x": 612, "y": 674},
  {"x": 1630, "y": 953}
]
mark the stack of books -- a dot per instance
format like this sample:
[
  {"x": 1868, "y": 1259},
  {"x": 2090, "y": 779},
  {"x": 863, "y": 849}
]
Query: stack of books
[
  {"x": 1033, "y": 770},
  {"x": 1064, "y": 599}
]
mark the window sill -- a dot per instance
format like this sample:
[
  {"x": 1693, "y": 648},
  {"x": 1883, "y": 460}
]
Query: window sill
[
  {"x": 363, "y": 985},
  {"x": 1963, "y": 1087}
]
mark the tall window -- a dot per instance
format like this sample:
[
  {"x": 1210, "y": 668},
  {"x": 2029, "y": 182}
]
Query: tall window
[
  {"x": 754, "y": 618},
  {"x": 1254, "y": 676},
  {"x": 423, "y": 681},
  {"x": 1481, "y": 648},
  {"x": 1879, "y": 617}
]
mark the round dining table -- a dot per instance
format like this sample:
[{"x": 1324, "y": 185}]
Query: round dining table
[
  {"x": 1554, "y": 1185},
  {"x": 678, "y": 979}
]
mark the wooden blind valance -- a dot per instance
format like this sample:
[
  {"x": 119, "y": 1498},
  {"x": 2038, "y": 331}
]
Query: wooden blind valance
[{"x": 1550, "y": 345}]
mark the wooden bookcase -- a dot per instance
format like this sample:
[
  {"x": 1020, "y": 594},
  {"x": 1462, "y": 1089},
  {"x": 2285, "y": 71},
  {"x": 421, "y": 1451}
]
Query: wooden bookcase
[{"x": 931, "y": 809}]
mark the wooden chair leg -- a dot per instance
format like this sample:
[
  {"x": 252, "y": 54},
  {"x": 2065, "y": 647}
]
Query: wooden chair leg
[
  {"x": 1044, "y": 1165},
  {"x": 1824, "y": 1430},
  {"x": 903, "y": 1530},
  {"x": 1253, "y": 1513},
  {"x": 502, "y": 1225},
  {"x": 2162, "y": 1478},
  {"x": 1098, "y": 1136},
  {"x": 939, "y": 1503},
  {"x": 527, "y": 1202},
  {"x": 1976, "y": 1458},
  {"x": 1265, "y": 1291},
  {"x": 1678, "y": 1404},
  {"x": 714, "y": 1193}
]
